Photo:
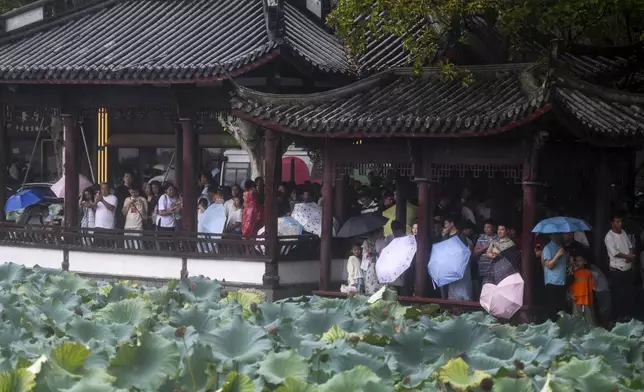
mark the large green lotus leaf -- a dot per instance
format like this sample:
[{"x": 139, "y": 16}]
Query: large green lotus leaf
[
  {"x": 21, "y": 380},
  {"x": 194, "y": 373},
  {"x": 119, "y": 292},
  {"x": 145, "y": 366},
  {"x": 67, "y": 281},
  {"x": 238, "y": 341},
  {"x": 294, "y": 385},
  {"x": 317, "y": 322},
  {"x": 343, "y": 357},
  {"x": 122, "y": 331},
  {"x": 86, "y": 330},
  {"x": 129, "y": 311},
  {"x": 10, "y": 273},
  {"x": 90, "y": 385},
  {"x": 588, "y": 375},
  {"x": 246, "y": 298},
  {"x": 275, "y": 368},
  {"x": 236, "y": 382},
  {"x": 454, "y": 336},
  {"x": 10, "y": 334},
  {"x": 53, "y": 309},
  {"x": 70, "y": 356},
  {"x": 271, "y": 311},
  {"x": 631, "y": 329},
  {"x": 506, "y": 384},
  {"x": 548, "y": 384},
  {"x": 570, "y": 325},
  {"x": 416, "y": 359},
  {"x": 359, "y": 379},
  {"x": 460, "y": 376},
  {"x": 193, "y": 316},
  {"x": 200, "y": 288}
]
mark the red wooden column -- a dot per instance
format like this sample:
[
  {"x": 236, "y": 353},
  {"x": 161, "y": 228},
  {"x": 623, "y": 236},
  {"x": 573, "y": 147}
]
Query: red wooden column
[
  {"x": 4, "y": 149},
  {"x": 530, "y": 185},
  {"x": 272, "y": 176},
  {"x": 177, "y": 162},
  {"x": 72, "y": 151},
  {"x": 341, "y": 205},
  {"x": 424, "y": 237},
  {"x": 326, "y": 253},
  {"x": 602, "y": 208},
  {"x": 189, "y": 175}
]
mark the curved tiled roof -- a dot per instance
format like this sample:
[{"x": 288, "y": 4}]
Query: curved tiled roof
[
  {"x": 396, "y": 103},
  {"x": 163, "y": 40}
]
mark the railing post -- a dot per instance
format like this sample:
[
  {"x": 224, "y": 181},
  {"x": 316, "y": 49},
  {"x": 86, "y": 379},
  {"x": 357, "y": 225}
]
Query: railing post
[{"x": 189, "y": 211}]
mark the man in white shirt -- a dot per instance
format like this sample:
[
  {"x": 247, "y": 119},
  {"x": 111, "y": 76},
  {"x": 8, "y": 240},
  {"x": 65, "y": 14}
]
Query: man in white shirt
[
  {"x": 229, "y": 205},
  {"x": 621, "y": 259},
  {"x": 105, "y": 207}
]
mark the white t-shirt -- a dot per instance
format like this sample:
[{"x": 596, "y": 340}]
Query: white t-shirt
[
  {"x": 104, "y": 218},
  {"x": 618, "y": 243},
  {"x": 165, "y": 203},
  {"x": 235, "y": 217}
]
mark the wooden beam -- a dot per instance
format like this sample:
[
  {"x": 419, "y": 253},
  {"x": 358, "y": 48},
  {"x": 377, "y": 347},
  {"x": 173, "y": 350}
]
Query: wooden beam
[{"x": 4, "y": 149}]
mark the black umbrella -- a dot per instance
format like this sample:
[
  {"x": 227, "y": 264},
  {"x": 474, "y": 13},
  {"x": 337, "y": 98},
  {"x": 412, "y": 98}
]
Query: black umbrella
[
  {"x": 362, "y": 224},
  {"x": 508, "y": 262}
]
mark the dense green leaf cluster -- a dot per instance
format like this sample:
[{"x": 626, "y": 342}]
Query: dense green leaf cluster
[{"x": 60, "y": 332}]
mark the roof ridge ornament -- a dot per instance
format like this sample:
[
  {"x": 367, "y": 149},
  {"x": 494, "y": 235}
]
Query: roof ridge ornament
[{"x": 275, "y": 23}]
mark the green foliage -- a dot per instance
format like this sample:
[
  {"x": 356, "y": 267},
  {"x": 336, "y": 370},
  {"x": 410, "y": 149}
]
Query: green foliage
[
  {"x": 60, "y": 332},
  {"x": 428, "y": 26}
]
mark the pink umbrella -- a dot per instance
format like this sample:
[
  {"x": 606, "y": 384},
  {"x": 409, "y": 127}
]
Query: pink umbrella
[
  {"x": 505, "y": 299},
  {"x": 59, "y": 187}
]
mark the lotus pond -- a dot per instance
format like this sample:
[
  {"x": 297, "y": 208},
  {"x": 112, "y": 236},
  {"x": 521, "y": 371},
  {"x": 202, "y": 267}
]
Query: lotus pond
[{"x": 60, "y": 332}]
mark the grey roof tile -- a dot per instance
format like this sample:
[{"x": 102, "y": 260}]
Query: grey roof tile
[{"x": 396, "y": 103}]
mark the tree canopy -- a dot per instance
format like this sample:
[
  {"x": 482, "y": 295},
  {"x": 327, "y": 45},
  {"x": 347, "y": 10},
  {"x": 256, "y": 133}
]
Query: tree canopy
[{"x": 429, "y": 26}]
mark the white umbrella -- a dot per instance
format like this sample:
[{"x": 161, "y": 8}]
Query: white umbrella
[
  {"x": 59, "y": 187},
  {"x": 286, "y": 227},
  {"x": 505, "y": 299},
  {"x": 395, "y": 258},
  {"x": 448, "y": 261},
  {"x": 309, "y": 215},
  {"x": 213, "y": 219}
]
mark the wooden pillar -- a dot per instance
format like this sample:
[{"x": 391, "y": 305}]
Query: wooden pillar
[
  {"x": 178, "y": 157},
  {"x": 71, "y": 170},
  {"x": 602, "y": 208},
  {"x": 272, "y": 174},
  {"x": 326, "y": 254},
  {"x": 4, "y": 143},
  {"x": 292, "y": 168},
  {"x": 401, "y": 201},
  {"x": 189, "y": 211},
  {"x": 529, "y": 214},
  {"x": 341, "y": 205},
  {"x": 424, "y": 236}
]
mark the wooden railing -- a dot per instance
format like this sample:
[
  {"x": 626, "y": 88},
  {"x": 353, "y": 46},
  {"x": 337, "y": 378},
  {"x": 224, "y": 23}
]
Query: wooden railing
[{"x": 181, "y": 244}]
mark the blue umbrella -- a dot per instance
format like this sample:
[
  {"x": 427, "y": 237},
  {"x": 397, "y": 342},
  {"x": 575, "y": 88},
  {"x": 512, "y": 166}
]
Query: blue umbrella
[
  {"x": 448, "y": 262},
  {"x": 213, "y": 219},
  {"x": 24, "y": 199},
  {"x": 561, "y": 224}
]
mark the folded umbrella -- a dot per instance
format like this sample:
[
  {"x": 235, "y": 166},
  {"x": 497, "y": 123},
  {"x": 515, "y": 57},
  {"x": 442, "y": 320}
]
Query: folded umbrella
[
  {"x": 507, "y": 263},
  {"x": 561, "y": 224},
  {"x": 395, "y": 258},
  {"x": 24, "y": 199},
  {"x": 362, "y": 224},
  {"x": 59, "y": 187},
  {"x": 505, "y": 299},
  {"x": 448, "y": 261}
]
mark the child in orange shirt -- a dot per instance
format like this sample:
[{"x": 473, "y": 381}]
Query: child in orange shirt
[{"x": 581, "y": 289}]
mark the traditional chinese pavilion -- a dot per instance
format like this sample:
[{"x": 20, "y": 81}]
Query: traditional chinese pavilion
[{"x": 160, "y": 71}]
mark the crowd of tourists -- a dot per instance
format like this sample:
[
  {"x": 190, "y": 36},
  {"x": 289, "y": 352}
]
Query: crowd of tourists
[{"x": 565, "y": 276}]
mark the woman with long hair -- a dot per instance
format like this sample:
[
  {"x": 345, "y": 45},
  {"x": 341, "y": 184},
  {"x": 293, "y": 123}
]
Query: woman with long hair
[
  {"x": 252, "y": 217},
  {"x": 87, "y": 208}
]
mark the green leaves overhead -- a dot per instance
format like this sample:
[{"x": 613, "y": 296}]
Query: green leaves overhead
[{"x": 60, "y": 332}]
